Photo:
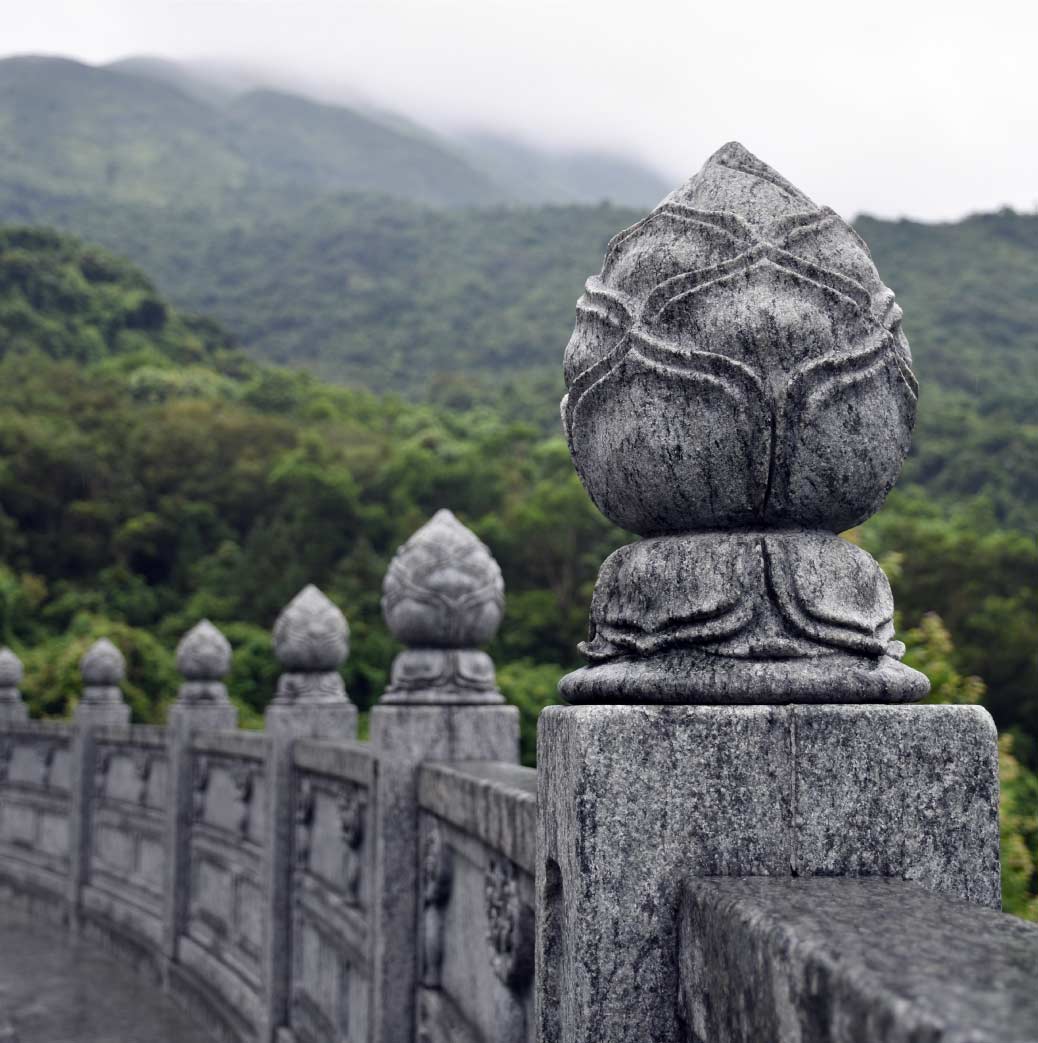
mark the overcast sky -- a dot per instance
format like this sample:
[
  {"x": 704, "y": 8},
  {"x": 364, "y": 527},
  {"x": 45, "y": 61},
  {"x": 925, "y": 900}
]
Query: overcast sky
[{"x": 921, "y": 109}]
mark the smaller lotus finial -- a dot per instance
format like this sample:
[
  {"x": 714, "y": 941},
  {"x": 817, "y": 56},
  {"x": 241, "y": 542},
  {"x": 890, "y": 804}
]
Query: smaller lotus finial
[
  {"x": 311, "y": 634},
  {"x": 204, "y": 654},
  {"x": 103, "y": 665},
  {"x": 444, "y": 588},
  {"x": 443, "y": 595},
  {"x": 11, "y": 669}
]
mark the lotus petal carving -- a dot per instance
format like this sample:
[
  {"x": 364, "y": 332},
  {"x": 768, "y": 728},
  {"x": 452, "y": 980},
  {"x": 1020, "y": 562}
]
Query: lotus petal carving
[
  {"x": 443, "y": 588},
  {"x": 311, "y": 634},
  {"x": 204, "y": 654},
  {"x": 103, "y": 664}
]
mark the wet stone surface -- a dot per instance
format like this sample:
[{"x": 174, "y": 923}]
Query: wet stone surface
[{"x": 57, "y": 989}]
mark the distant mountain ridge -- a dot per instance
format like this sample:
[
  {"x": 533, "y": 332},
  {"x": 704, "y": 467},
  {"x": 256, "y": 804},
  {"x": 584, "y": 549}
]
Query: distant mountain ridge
[
  {"x": 69, "y": 130},
  {"x": 154, "y": 132}
]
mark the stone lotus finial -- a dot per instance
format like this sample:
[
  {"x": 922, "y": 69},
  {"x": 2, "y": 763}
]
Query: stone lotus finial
[
  {"x": 103, "y": 669},
  {"x": 443, "y": 594},
  {"x": 311, "y": 641},
  {"x": 739, "y": 391},
  {"x": 11, "y": 671},
  {"x": 103, "y": 665},
  {"x": 203, "y": 658}
]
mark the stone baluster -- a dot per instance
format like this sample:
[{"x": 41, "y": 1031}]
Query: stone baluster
[
  {"x": 740, "y": 391},
  {"x": 12, "y": 709},
  {"x": 311, "y": 642},
  {"x": 443, "y": 596},
  {"x": 202, "y": 705},
  {"x": 101, "y": 705}
]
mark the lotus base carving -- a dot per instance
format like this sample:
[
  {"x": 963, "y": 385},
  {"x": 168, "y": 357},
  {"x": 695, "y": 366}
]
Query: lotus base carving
[{"x": 771, "y": 616}]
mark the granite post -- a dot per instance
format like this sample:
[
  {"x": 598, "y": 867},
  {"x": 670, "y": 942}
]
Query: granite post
[
  {"x": 311, "y": 642},
  {"x": 103, "y": 669},
  {"x": 202, "y": 705},
  {"x": 443, "y": 596},
  {"x": 12, "y": 709},
  {"x": 739, "y": 392}
]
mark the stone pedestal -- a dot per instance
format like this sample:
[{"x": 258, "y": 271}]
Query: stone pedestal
[
  {"x": 633, "y": 799},
  {"x": 405, "y": 737}
]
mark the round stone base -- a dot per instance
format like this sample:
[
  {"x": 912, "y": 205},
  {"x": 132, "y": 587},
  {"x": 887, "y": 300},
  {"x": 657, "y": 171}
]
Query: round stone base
[
  {"x": 446, "y": 696},
  {"x": 689, "y": 677}
]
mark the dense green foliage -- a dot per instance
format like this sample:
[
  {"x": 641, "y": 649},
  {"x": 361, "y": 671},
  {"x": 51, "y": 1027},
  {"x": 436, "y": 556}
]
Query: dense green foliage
[{"x": 153, "y": 474}]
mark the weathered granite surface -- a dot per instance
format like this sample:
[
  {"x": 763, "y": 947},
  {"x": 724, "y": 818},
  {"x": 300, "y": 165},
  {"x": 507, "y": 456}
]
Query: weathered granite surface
[
  {"x": 851, "y": 961},
  {"x": 443, "y": 595},
  {"x": 633, "y": 799},
  {"x": 739, "y": 391}
]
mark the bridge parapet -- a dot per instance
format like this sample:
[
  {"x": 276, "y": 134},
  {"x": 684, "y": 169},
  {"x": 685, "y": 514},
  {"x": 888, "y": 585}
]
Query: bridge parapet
[{"x": 478, "y": 842}]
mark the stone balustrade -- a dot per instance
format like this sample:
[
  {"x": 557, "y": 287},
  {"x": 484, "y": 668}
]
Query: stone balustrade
[{"x": 737, "y": 832}]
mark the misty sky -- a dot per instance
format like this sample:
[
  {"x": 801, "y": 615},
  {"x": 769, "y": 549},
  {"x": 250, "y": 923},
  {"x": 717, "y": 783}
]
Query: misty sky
[{"x": 910, "y": 108}]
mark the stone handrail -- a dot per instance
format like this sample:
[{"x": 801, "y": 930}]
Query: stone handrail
[{"x": 859, "y": 961}]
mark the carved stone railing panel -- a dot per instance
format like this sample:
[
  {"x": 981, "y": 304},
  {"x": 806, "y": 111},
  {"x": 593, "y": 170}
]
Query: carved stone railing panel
[
  {"x": 35, "y": 805},
  {"x": 122, "y": 888},
  {"x": 223, "y": 942},
  {"x": 333, "y": 851},
  {"x": 478, "y": 848}
]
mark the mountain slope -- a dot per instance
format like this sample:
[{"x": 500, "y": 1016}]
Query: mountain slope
[
  {"x": 69, "y": 131},
  {"x": 534, "y": 175}
]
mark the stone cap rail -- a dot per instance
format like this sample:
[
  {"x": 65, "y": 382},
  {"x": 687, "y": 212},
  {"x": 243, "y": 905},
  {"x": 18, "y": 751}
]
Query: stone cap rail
[
  {"x": 494, "y": 801},
  {"x": 147, "y": 736},
  {"x": 248, "y": 745},
  {"x": 37, "y": 729},
  {"x": 852, "y": 961},
  {"x": 341, "y": 759}
]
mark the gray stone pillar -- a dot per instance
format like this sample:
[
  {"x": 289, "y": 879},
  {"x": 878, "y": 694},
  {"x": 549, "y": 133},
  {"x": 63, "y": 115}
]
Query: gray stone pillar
[
  {"x": 311, "y": 641},
  {"x": 202, "y": 705},
  {"x": 740, "y": 392},
  {"x": 101, "y": 705},
  {"x": 12, "y": 709},
  {"x": 443, "y": 596}
]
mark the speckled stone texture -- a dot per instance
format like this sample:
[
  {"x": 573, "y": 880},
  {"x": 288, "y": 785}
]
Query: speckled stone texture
[
  {"x": 851, "y": 961},
  {"x": 633, "y": 799},
  {"x": 740, "y": 391}
]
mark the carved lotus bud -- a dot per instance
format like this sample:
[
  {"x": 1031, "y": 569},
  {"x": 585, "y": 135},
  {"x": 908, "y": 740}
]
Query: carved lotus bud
[
  {"x": 444, "y": 588},
  {"x": 738, "y": 363},
  {"x": 204, "y": 654},
  {"x": 311, "y": 635},
  {"x": 103, "y": 665},
  {"x": 11, "y": 669}
]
